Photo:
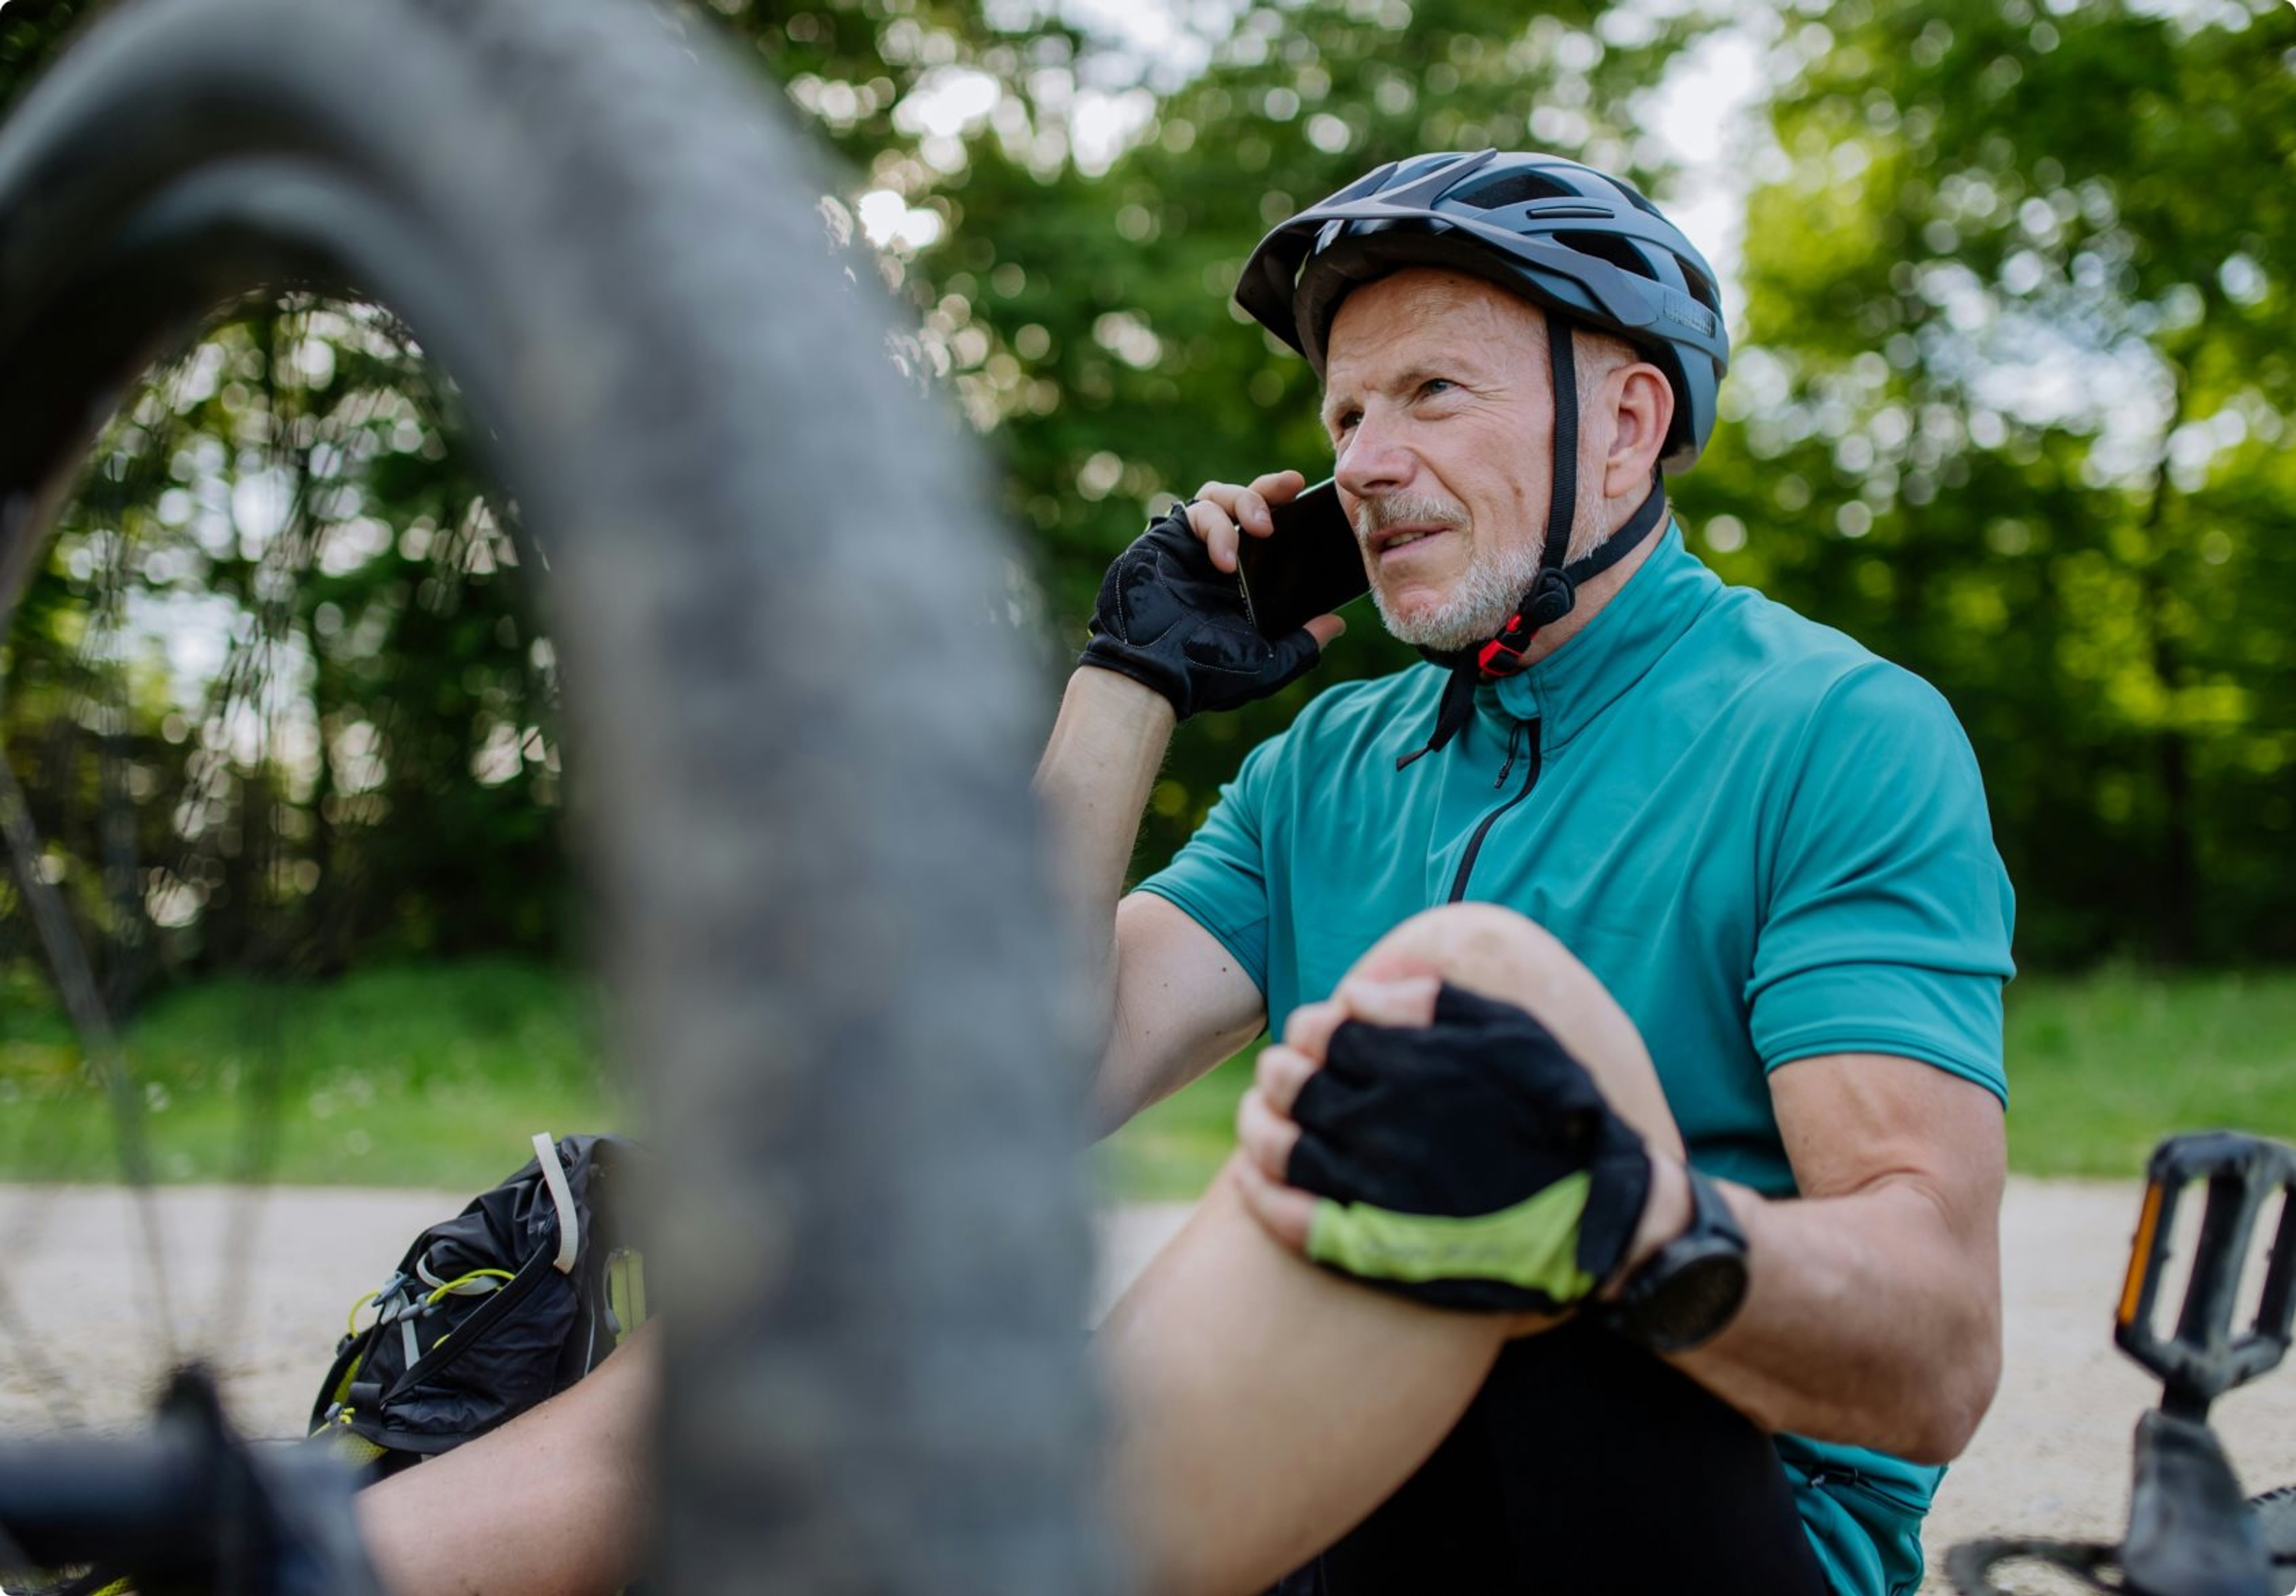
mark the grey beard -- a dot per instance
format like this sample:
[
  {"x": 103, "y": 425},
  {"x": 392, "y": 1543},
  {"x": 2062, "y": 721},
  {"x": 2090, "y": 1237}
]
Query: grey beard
[
  {"x": 1494, "y": 585},
  {"x": 1489, "y": 591}
]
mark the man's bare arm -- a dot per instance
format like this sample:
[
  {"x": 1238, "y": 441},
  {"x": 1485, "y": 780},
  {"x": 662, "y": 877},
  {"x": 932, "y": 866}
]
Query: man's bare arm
[
  {"x": 1183, "y": 1004},
  {"x": 1176, "y": 1001},
  {"x": 1094, "y": 780},
  {"x": 1875, "y": 1316}
]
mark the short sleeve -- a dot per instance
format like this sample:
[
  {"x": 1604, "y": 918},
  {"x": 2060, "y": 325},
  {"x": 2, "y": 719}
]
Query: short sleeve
[
  {"x": 1219, "y": 878},
  {"x": 1888, "y": 917}
]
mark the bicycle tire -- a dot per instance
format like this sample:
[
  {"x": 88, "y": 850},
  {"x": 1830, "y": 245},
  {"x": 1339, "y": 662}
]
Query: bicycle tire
[
  {"x": 809, "y": 816},
  {"x": 2275, "y": 1514}
]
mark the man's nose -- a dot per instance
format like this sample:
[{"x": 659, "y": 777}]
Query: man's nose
[{"x": 1374, "y": 462}]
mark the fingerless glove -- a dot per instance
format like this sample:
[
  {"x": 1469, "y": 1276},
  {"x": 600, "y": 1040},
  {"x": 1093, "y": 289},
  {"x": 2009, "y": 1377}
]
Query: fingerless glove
[
  {"x": 1471, "y": 1163},
  {"x": 1170, "y": 620}
]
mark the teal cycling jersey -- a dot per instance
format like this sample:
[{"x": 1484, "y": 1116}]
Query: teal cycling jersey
[{"x": 1768, "y": 843}]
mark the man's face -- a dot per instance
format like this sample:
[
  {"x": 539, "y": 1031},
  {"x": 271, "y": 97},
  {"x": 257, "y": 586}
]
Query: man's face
[{"x": 1438, "y": 400}]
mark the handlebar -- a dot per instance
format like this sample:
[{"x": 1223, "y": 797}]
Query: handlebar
[{"x": 185, "y": 1508}]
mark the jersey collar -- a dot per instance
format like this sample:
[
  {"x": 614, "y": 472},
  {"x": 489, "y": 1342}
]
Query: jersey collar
[{"x": 1568, "y": 689}]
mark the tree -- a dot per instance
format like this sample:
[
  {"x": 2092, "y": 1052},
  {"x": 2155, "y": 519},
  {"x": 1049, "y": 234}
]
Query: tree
[
  {"x": 2009, "y": 415},
  {"x": 2009, "y": 404}
]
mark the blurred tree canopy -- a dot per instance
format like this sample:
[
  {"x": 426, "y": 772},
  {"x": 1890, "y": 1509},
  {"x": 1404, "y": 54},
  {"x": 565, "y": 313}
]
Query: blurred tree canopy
[
  {"x": 2010, "y": 406},
  {"x": 274, "y": 701},
  {"x": 2017, "y": 413}
]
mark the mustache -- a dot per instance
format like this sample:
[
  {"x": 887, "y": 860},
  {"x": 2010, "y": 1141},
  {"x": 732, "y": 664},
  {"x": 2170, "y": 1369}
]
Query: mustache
[{"x": 1373, "y": 516}]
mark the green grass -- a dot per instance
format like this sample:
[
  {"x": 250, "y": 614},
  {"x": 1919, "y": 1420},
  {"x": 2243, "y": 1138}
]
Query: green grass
[
  {"x": 2102, "y": 1067},
  {"x": 1171, "y": 1150},
  {"x": 424, "y": 1076},
  {"x": 437, "y": 1075}
]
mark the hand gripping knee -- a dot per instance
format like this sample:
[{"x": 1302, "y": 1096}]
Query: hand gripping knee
[{"x": 1471, "y": 1163}]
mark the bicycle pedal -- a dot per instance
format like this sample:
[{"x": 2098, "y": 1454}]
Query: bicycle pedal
[
  {"x": 2208, "y": 1354},
  {"x": 2191, "y": 1532}
]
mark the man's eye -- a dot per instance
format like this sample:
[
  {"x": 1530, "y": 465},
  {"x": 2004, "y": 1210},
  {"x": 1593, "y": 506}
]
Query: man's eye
[
  {"x": 1434, "y": 386},
  {"x": 1345, "y": 422}
]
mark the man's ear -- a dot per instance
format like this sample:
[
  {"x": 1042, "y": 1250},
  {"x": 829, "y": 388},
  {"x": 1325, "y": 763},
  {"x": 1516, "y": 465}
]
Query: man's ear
[{"x": 1639, "y": 403}]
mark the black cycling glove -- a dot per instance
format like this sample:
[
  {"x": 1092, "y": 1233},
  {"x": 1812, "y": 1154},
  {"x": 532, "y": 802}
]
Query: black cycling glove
[
  {"x": 1170, "y": 620},
  {"x": 1471, "y": 1163}
]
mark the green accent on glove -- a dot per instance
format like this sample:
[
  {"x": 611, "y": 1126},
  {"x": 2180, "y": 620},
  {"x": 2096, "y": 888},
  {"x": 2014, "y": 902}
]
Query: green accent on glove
[{"x": 1533, "y": 1246}]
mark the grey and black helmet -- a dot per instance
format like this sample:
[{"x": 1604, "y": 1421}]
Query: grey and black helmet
[
  {"x": 1563, "y": 235},
  {"x": 1580, "y": 244}
]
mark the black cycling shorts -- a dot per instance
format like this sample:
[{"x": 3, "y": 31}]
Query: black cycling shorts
[{"x": 1585, "y": 1466}]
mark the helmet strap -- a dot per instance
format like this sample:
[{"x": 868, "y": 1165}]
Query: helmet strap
[
  {"x": 1563, "y": 480},
  {"x": 1554, "y": 594}
]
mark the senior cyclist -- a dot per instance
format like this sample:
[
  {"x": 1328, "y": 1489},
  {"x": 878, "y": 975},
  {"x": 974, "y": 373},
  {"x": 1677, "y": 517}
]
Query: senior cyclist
[
  {"x": 1535, "y": 1350},
  {"x": 1770, "y": 846}
]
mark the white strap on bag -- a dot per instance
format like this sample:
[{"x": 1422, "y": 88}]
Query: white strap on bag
[{"x": 570, "y": 1226}]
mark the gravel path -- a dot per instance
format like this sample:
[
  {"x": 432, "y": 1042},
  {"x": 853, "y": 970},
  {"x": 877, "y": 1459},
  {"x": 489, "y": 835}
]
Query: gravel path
[{"x": 2053, "y": 1457}]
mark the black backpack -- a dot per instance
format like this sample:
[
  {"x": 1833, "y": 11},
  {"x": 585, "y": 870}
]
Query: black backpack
[{"x": 512, "y": 1300}]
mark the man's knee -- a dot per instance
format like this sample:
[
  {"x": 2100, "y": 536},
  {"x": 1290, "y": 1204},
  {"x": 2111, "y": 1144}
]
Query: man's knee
[
  {"x": 1503, "y": 954},
  {"x": 1476, "y": 944}
]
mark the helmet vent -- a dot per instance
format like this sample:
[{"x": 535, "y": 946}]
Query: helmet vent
[
  {"x": 1503, "y": 189},
  {"x": 1602, "y": 246}
]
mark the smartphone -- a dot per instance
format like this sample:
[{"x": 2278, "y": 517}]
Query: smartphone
[{"x": 1309, "y": 566}]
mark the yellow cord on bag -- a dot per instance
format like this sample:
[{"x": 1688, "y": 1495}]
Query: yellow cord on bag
[{"x": 464, "y": 1279}]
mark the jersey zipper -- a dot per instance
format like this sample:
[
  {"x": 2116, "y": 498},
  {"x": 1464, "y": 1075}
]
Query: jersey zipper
[
  {"x": 1529, "y": 780},
  {"x": 1838, "y": 1474}
]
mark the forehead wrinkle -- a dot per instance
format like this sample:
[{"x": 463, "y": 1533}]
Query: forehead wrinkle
[
  {"x": 1468, "y": 321},
  {"x": 1401, "y": 384}
]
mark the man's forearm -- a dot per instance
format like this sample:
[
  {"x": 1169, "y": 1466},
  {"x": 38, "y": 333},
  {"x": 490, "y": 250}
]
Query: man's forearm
[
  {"x": 1871, "y": 1321},
  {"x": 1106, "y": 748}
]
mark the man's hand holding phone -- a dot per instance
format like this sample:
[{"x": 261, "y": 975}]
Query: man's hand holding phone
[
  {"x": 1223, "y": 513},
  {"x": 1172, "y": 615}
]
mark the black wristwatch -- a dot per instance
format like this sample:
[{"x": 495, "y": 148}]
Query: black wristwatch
[{"x": 1689, "y": 1288}]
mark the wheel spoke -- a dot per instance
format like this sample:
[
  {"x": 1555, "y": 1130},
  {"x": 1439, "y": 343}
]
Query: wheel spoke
[
  {"x": 47, "y": 1382},
  {"x": 74, "y": 979}
]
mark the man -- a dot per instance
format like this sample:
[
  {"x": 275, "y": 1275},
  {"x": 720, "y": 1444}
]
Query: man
[
  {"x": 1752, "y": 846},
  {"x": 1770, "y": 847}
]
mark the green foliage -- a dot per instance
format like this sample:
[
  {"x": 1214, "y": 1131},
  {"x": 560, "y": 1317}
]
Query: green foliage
[
  {"x": 272, "y": 696},
  {"x": 31, "y": 32},
  {"x": 2014, "y": 415},
  {"x": 2011, "y": 406}
]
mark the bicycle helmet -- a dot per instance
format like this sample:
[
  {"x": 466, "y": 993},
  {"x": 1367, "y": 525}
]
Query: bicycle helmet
[
  {"x": 1563, "y": 235},
  {"x": 1583, "y": 246}
]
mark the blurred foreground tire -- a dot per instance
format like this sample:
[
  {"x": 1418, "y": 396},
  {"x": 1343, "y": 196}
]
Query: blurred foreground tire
[{"x": 803, "y": 750}]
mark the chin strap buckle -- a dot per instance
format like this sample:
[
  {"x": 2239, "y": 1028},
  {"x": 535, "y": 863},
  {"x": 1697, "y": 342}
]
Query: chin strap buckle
[
  {"x": 1551, "y": 598},
  {"x": 1502, "y": 656}
]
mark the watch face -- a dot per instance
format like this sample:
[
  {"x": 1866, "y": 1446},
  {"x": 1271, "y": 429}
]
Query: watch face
[
  {"x": 1698, "y": 1297},
  {"x": 1686, "y": 1291}
]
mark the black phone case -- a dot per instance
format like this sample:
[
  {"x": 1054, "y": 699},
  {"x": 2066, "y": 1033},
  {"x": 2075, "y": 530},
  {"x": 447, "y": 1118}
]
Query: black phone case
[{"x": 1309, "y": 566}]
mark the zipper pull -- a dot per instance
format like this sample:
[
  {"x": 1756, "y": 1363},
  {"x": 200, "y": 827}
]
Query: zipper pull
[{"x": 1514, "y": 740}]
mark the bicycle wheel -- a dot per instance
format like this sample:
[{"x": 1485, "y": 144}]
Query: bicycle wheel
[
  {"x": 809, "y": 820},
  {"x": 2276, "y": 1511}
]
